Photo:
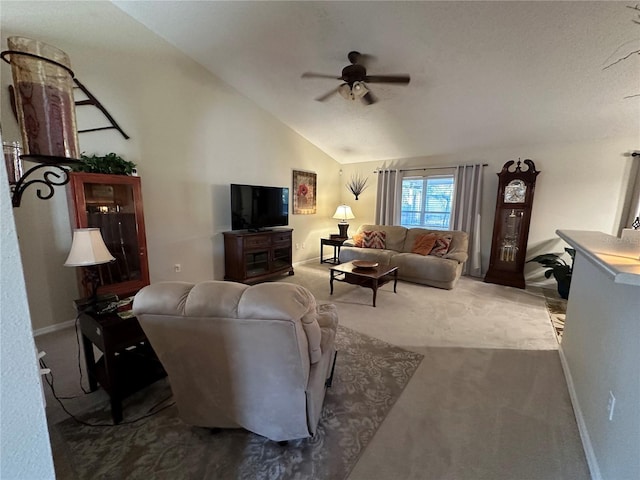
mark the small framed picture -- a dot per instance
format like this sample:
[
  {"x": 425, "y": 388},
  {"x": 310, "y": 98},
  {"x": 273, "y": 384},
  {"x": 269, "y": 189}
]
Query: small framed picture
[{"x": 304, "y": 193}]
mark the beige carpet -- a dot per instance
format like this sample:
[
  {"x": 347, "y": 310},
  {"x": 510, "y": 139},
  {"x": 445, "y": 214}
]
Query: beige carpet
[{"x": 489, "y": 400}]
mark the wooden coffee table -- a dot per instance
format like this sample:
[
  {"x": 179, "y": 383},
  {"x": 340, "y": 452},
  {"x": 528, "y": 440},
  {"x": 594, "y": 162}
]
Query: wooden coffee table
[{"x": 365, "y": 277}]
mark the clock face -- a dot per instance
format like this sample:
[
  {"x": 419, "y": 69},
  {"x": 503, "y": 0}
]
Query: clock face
[{"x": 515, "y": 192}]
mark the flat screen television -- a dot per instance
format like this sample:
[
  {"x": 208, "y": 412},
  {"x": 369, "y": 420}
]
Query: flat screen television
[{"x": 256, "y": 207}]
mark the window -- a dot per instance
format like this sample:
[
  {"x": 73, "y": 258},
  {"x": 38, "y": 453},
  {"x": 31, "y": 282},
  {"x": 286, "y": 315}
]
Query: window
[{"x": 426, "y": 202}]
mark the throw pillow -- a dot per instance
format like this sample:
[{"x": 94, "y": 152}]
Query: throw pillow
[
  {"x": 441, "y": 247},
  {"x": 374, "y": 239},
  {"x": 424, "y": 243},
  {"x": 358, "y": 239}
]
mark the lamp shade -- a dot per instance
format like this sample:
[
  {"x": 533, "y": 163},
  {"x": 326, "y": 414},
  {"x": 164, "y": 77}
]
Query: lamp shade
[
  {"x": 87, "y": 248},
  {"x": 359, "y": 90},
  {"x": 344, "y": 213},
  {"x": 345, "y": 91}
]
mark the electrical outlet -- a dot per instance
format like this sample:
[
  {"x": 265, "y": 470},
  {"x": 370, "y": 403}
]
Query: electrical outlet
[
  {"x": 177, "y": 268},
  {"x": 297, "y": 246},
  {"x": 611, "y": 404},
  {"x": 303, "y": 245}
]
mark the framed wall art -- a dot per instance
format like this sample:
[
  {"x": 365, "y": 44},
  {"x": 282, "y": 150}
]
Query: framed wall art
[{"x": 304, "y": 193}]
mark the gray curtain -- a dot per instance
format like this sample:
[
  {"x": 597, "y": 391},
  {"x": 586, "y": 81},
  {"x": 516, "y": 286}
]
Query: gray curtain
[
  {"x": 466, "y": 212},
  {"x": 387, "y": 198}
]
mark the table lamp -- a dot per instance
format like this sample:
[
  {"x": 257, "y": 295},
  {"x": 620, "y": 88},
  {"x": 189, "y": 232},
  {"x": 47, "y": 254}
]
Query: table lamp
[
  {"x": 88, "y": 250},
  {"x": 344, "y": 213}
]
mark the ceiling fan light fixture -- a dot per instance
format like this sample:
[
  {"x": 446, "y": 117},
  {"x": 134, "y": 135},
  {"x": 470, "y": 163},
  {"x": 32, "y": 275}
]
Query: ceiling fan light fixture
[
  {"x": 345, "y": 91},
  {"x": 359, "y": 89},
  {"x": 354, "y": 76}
]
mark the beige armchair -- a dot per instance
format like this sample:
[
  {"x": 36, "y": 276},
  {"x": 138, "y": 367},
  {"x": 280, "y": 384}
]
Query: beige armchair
[{"x": 237, "y": 356}]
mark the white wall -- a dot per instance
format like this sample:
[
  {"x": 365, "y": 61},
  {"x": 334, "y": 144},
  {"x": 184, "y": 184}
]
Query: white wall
[
  {"x": 601, "y": 355},
  {"x": 25, "y": 451},
  {"x": 580, "y": 187},
  {"x": 191, "y": 136}
]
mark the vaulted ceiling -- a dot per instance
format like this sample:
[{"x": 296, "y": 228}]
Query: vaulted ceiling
[{"x": 483, "y": 74}]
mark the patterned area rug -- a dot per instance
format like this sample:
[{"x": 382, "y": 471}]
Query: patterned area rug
[
  {"x": 557, "y": 308},
  {"x": 370, "y": 376}
]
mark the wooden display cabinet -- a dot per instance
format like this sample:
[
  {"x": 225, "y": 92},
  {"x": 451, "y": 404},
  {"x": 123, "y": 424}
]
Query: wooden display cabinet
[
  {"x": 112, "y": 203},
  {"x": 251, "y": 257}
]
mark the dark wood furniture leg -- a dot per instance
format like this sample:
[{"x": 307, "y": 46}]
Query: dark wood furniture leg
[
  {"x": 374, "y": 287},
  {"x": 395, "y": 280},
  {"x": 90, "y": 362},
  {"x": 115, "y": 398},
  {"x": 331, "y": 281}
]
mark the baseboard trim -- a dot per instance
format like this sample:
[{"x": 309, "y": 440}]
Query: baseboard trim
[
  {"x": 308, "y": 260},
  {"x": 592, "y": 461},
  {"x": 54, "y": 328}
]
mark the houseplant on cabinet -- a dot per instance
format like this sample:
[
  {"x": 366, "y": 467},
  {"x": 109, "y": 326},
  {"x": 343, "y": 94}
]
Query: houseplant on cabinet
[
  {"x": 110, "y": 163},
  {"x": 557, "y": 267}
]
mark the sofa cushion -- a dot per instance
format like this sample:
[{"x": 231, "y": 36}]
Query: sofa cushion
[
  {"x": 358, "y": 239},
  {"x": 412, "y": 266},
  {"x": 187, "y": 299},
  {"x": 458, "y": 249},
  {"x": 395, "y": 235},
  {"x": 374, "y": 239},
  {"x": 424, "y": 244},
  {"x": 275, "y": 301},
  {"x": 441, "y": 246},
  {"x": 348, "y": 254}
]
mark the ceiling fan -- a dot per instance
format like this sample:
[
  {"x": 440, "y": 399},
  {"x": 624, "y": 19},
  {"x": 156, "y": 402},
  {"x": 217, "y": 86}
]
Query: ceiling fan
[{"x": 355, "y": 79}]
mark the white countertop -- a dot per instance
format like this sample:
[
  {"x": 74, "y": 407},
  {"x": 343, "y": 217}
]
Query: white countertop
[{"x": 618, "y": 258}]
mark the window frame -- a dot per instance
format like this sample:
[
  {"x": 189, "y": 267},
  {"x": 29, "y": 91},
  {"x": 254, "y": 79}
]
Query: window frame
[{"x": 424, "y": 211}]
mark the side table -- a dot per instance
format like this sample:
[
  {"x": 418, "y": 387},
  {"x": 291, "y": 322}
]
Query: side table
[
  {"x": 128, "y": 363},
  {"x": 336, "y": 243}
]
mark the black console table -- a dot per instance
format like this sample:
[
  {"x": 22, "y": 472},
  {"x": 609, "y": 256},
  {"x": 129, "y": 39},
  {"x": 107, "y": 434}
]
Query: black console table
[{"x": 128, "y": 363}]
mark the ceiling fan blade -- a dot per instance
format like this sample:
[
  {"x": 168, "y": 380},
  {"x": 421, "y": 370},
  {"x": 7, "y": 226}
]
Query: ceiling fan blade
[
  {"x": 387, "y": 79},
  {"x": 322, "y": 98},
  {"x": 319, "y": 75}
]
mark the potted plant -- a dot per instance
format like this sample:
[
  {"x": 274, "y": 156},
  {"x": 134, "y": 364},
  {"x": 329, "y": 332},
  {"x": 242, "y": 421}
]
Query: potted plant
[
  {"x": 110, "y": 163},
  {"x": 557, "y": 267}
]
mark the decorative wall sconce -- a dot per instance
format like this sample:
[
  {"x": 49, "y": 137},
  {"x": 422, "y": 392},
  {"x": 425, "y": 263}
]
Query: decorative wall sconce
[
  {"x": 45, "y": 108},
  {"x": 357, "y": 184}
]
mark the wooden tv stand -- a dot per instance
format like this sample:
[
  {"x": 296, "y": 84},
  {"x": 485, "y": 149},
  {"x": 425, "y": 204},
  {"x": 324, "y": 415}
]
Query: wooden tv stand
[{"x": 251, "y": 257}]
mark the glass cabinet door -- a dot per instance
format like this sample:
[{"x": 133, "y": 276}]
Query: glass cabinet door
[
  {"x": 508, "y": 238},
  {"x": 113, "y": 203},
  {"x": 257, "y": 263}
]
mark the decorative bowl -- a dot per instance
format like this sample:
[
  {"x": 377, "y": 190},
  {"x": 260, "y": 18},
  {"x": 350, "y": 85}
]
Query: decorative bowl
[{"x": 364, "y": 264}]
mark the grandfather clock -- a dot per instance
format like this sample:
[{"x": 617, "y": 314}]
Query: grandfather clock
[{"x": 511, "y": 224}]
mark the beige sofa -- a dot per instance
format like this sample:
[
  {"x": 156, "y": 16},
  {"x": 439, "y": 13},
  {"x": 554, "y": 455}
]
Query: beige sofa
[
  {"x": 256, "y": 357},
  {"x": 441, "y": 272}
]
